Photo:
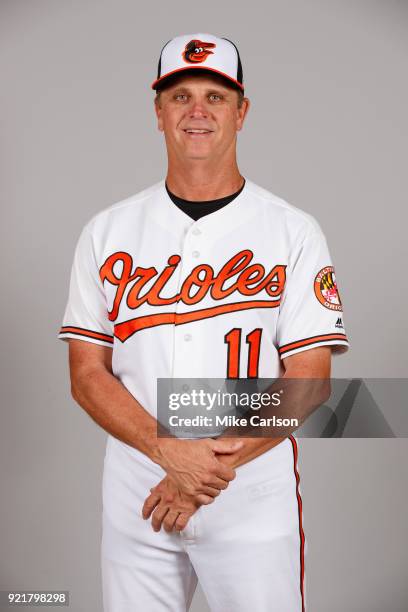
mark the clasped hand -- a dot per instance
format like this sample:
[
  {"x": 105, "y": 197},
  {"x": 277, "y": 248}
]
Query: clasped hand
[{"x": 195, "y": 477}]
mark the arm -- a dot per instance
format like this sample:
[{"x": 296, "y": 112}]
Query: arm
[
  {"x": 312, "y": 363},
  {"x": 171, "y": 510},
  {"x": 192, "y": 464},
  {"x": 106, "y": 400}
]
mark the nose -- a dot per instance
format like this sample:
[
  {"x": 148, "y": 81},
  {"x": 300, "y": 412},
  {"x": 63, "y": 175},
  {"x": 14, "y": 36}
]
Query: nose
[{"x": 198, "y": 110}]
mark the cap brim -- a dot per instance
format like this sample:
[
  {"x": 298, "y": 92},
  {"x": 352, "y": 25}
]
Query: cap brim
[{"x": 169, "y": 75}]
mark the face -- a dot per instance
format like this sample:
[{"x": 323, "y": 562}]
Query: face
[{"x": 200, "y": 118}]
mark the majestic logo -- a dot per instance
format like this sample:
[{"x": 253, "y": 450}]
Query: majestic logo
[
  {"x": 339, "y": 322},
  {"x": 325, "y": 288},
  {"x": 197, "y": 51},
  {"x": 236, "y": 277}
]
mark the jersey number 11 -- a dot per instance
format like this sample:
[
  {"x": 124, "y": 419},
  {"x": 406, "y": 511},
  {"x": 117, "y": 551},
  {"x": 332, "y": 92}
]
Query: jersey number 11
[{"x": 233, "y": 339}]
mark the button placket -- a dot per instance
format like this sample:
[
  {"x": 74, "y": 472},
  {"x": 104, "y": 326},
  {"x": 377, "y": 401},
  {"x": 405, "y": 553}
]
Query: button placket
[
  {"x": 183, "y": 340},
  {"x": 195, "y": 242}
]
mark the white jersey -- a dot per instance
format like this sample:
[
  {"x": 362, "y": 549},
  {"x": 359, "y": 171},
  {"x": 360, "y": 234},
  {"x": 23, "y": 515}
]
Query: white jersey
[{"x": 230, "y": 295}]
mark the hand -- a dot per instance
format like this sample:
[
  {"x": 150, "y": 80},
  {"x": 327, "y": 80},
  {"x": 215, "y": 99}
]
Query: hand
[
  {"x": 194, "y": 466},
  {"x": 170, "y": 507}
]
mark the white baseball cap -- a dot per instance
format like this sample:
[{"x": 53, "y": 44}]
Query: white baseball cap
[{"x": 200, "y": 52}]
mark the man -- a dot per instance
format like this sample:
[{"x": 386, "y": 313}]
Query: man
[{"x": 203, "y": 275}]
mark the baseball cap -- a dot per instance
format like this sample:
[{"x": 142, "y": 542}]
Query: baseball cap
[{"x": 200, "y": 52}]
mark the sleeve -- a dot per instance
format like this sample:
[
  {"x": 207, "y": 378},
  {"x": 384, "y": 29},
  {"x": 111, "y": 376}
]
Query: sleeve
[
  {"x": 311, "y": 312},
  {"x": 86, "y": 312}
]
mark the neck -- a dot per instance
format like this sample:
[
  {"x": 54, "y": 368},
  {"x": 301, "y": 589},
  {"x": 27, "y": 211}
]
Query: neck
[{"x": 200, "y": 181}]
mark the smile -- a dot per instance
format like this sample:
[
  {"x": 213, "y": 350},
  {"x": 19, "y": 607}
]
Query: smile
[{"x": 197, "y": 132}]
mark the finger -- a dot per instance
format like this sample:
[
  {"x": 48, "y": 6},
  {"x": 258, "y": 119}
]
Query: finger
[
  {"x": 182, "y": 520},
  {"x": 224, "y": 471},
  {"x": 226, "y": 446},
  {"x": 215, "y": 483},
  {"x": 158, "y": 516},
  {"x": 169, "y": 520},
  {"x": 210, "y": 491},
  {"x": 150, "y": 504},
  {"x": 204, "y": 500}
]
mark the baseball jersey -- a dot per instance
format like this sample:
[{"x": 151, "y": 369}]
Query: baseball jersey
[{"x": 230, "y": 295}]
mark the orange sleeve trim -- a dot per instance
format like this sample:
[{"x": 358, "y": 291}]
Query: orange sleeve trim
[
  {"x": 88, "y": 333},
  {"x": 340, "y": 338}
]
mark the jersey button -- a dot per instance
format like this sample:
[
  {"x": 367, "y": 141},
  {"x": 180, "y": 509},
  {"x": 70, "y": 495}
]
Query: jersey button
[
  {"x": 187, "y": 337},
  {"x": 196, "y": 231},
  {"x": 195, "y": 253}
]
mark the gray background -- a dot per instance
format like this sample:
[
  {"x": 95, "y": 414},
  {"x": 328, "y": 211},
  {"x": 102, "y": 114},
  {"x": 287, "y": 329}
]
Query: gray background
[{"x": 327, "y": 131}]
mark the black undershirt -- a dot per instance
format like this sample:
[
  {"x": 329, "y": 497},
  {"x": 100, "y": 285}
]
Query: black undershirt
[{"x": 196, "y": 210}]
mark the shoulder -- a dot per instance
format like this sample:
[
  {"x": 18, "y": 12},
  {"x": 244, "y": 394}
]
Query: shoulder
[
  {"x": 285, "y": 215},
  {"x": 120, "y": 211}
]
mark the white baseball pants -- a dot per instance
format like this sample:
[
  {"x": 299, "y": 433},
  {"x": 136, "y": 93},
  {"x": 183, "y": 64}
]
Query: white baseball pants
[{"x": 246, "y": 548}]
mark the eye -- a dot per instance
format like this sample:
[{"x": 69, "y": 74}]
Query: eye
[
  {"x": 214, "y": 97},
  {"x": 197, "y": 50},
  {"x": 180, "y": 97}
]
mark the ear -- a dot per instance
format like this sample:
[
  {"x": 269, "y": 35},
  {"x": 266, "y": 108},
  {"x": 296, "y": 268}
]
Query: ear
[
  {"x": 158, "y": 112},
  {"x": 242, "y": 113}
]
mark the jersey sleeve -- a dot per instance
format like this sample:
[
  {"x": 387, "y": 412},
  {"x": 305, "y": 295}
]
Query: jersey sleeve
[
  {"x": 311, "y": 312},
  {"x": 86, "y": 312}
]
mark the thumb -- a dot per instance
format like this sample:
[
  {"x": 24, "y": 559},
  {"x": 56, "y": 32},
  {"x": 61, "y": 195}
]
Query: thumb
[{"x": 227, "y": 446}]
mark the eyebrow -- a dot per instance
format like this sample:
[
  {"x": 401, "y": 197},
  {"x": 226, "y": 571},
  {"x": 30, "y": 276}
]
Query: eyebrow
[{"x": 212, "y": 90}]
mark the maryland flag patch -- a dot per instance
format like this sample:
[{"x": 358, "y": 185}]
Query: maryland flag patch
[{"x": 325, "y": 288}]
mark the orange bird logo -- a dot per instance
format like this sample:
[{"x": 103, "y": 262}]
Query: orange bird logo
[{"x": 197, "y": 51}]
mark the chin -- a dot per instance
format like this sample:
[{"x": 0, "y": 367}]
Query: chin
[
  {"x": 198, "y": 156},
  {"x": 198, "y": 152}
]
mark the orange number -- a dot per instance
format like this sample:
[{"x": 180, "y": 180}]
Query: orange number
[{"x": 233, "y": 339}]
